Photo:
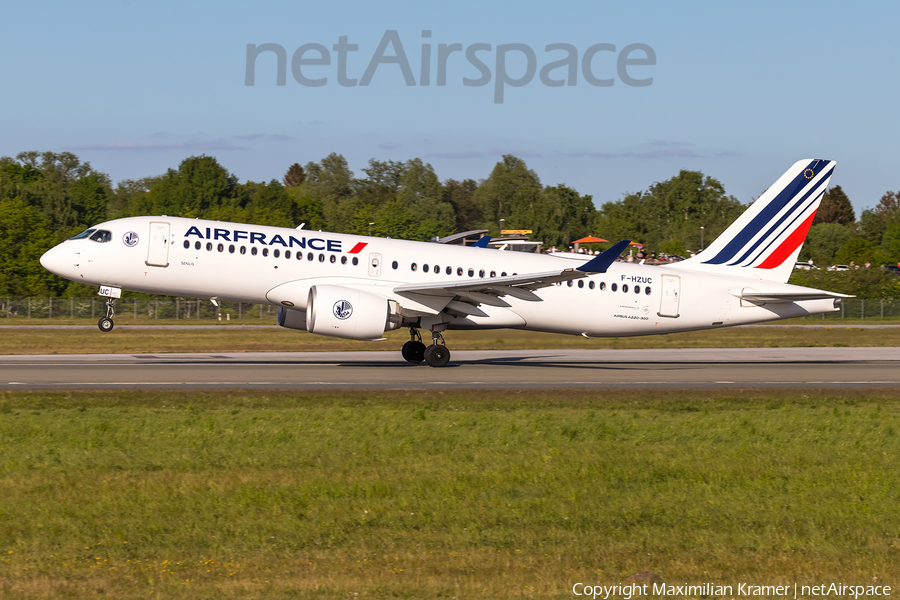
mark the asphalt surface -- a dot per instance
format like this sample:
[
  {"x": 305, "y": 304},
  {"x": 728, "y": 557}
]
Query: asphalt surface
[{"x": 828, "y": 368}]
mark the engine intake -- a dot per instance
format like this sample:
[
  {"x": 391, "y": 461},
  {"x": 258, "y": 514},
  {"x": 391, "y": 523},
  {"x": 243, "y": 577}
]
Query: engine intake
[{"x": 349, "y": 313}]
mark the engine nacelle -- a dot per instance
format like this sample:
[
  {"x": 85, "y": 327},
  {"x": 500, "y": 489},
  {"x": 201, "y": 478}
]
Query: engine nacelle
[
  {"x": 292, "y": 318},
  {"x": 349, "y": 313}
]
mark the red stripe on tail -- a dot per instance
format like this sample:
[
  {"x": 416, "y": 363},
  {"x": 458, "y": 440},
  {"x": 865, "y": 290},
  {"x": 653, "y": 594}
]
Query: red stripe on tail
[
  {"x": 788, "y": 246},
  {"x": 358, "y": 247}
]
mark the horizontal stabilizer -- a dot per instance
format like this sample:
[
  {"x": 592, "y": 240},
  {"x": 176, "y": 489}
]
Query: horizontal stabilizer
[{"x": 776, "y": 297}]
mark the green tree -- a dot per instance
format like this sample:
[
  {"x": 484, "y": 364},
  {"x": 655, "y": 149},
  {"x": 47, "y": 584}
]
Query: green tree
[
  {"x": 510, "y": 193},
  {"x": 835, "y": 208},
  {"x": 460, "y": 195},
  {"x": 823, "y": 242},
  {"x": 199, "y": 186},
  {"x": 25, "y": 234}
]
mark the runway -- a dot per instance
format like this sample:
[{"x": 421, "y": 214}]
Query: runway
[{"x": 827, "y": 368}]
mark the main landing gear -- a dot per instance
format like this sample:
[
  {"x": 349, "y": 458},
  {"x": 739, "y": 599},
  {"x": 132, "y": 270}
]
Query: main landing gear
[
  {"x": 106, "y": 323},
  {"x": 435, "y": 355}
]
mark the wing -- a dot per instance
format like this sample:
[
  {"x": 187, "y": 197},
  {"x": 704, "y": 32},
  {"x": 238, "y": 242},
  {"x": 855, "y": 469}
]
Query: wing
[{"x": 491, "y": 290}]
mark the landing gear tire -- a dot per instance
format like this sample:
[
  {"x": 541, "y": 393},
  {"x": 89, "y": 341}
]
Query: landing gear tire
[
  {"x": 413, "y": 351},
  {"x": 105, "y": 324},
  {"x": 437, "y": 355}
]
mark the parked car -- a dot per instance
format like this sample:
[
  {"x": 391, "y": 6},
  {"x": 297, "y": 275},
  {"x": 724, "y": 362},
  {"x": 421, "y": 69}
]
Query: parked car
[
  {"x": 805, "y": 266},
  {"x": 892, "y": 268},
  {"x": 839, "y": 268}
]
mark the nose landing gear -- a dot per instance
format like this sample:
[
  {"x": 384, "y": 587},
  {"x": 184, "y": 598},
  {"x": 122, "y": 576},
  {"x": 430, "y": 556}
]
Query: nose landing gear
[{"x": 106, "y": 323}]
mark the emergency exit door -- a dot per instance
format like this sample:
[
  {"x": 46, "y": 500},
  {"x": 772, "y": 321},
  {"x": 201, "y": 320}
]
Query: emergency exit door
[
  {"x": 158, "y": 249},
  {"x": 670, "y": 297}
]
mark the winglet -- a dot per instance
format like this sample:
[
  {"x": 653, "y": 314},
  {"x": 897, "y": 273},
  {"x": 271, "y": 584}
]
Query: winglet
[
  {"x": 599, "y": 264},
  {"x": 482, "y": 242}
]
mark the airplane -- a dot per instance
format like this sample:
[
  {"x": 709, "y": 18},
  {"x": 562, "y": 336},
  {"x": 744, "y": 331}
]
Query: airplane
[{"x": 358, "y": 287}]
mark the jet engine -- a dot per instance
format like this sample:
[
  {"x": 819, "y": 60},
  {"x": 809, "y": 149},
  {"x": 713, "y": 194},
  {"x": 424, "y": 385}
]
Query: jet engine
[
  {"x": 350, "y": 313},
  {"x": 292, "y": 318}
]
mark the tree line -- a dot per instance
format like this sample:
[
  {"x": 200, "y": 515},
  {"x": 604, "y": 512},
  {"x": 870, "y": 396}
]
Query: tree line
[{"x": 47, "y": 197}]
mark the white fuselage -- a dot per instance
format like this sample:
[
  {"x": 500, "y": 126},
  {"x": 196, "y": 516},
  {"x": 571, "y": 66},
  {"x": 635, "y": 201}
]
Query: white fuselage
[{"x": 230, "y": 261}]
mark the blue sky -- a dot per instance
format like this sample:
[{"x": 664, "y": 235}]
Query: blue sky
[{"x": 740, "y": 91}]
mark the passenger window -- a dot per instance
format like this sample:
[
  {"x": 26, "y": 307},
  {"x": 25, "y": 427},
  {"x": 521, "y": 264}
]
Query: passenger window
[
  {"x": 221, "y": 247},
  {"x": 309, "y": 257},
  {"x": 265, "y": 251},
  {"x": 647, "y": 290},
  {"x": 102, "y": 236},
  {"x": 614, "y": 287},
  {"x": 493, "y": 273},
  {"x": 624, "y": 287},
  {"x": 187, "y": 245},
  {"x": 209, "y": 246},
  {"x": 413, "y": 266},
  {"x": 287, "y": 253},
  {"x": 253, "y": 250},
  {"x": 394, "y": 265},
  {"x": 471, "y": 272},
  {"x": 503, "y": 274},
  {"x": 449, "y": 270},
  {"x": 299, "y": 256},
  {"x": 343, "y": 260},
  {"x": 321, "y": 258},
  {"x": 569, "y": 283},
  {"x": 637, "y": 289},
  {"x": 243, "y": 249},
  {"x": 459, "y": 271},
  {"x": 591, "y": 284},
  {"x": 481, "y": 273},
  {"x": 580, "y": 283},
  {"x": 197, "y": 245},
  {"x": 276, "y": 252},
  {"x": 333, "y": 258},
  {"x": 355, "y": 261},
  {"x": 602, "y": 286},
  {"x": 425, "y": 267},
  {"x": 231, "y": 249},
  {"x": 437, "y": 270},
  {"x": 83, "y": 234}
]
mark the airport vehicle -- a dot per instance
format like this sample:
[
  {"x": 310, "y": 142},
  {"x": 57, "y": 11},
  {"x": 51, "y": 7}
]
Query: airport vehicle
[{"x": 358, "y": 287}]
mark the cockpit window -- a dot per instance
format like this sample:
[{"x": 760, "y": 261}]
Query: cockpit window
[
  {"x": 101, "y": 236},
  {"x": 83, "y": 234}
]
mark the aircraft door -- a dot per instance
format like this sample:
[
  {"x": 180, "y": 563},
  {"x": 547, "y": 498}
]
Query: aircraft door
[
  {"x": 374, "y": 264},
  {"x": 671, "y": 296},
  {"x": 158, "y": 248}
]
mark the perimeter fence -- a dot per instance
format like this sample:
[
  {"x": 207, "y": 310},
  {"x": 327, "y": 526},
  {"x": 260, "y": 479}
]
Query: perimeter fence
[
  {"x": 135, "y": 309},
  {"x": 198, "y": 309}
]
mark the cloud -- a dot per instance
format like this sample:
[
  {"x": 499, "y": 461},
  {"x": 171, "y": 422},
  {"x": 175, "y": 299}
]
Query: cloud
[
  {"x": 671, "y": 153},
  {"x": 728, "y": 153},
  {"x": 668, "y": 143},
  {"x": 602, "y": 155},
  {"x": 192, "y": 145},
  {"x": 520, "y": 153},
  {"x": 456, "y": 155},
  {"x": 265, "y": 137},
  {"x": 388, "y": 145}
]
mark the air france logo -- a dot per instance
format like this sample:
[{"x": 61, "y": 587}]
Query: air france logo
[
  {"x": 343, "y": 309},
  {"x": 130, "y": 239}
]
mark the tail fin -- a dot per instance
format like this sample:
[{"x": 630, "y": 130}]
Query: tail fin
[{"x": 765, "y": 241}]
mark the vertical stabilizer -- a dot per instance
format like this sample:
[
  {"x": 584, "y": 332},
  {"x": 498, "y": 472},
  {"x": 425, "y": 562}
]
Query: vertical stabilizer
[{"x": 765, "y": 241}]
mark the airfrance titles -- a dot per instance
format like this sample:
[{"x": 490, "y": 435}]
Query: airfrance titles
[{"x": 256, "y": 237}]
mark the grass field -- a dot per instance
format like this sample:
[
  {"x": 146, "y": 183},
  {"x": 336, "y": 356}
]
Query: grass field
[
  {"x": 442, "y": 495},
  {"x": 51, "y": 340}
]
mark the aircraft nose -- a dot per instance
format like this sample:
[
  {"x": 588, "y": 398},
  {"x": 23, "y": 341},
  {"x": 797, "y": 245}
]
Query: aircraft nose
[{"x": 58, "y": 261}]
